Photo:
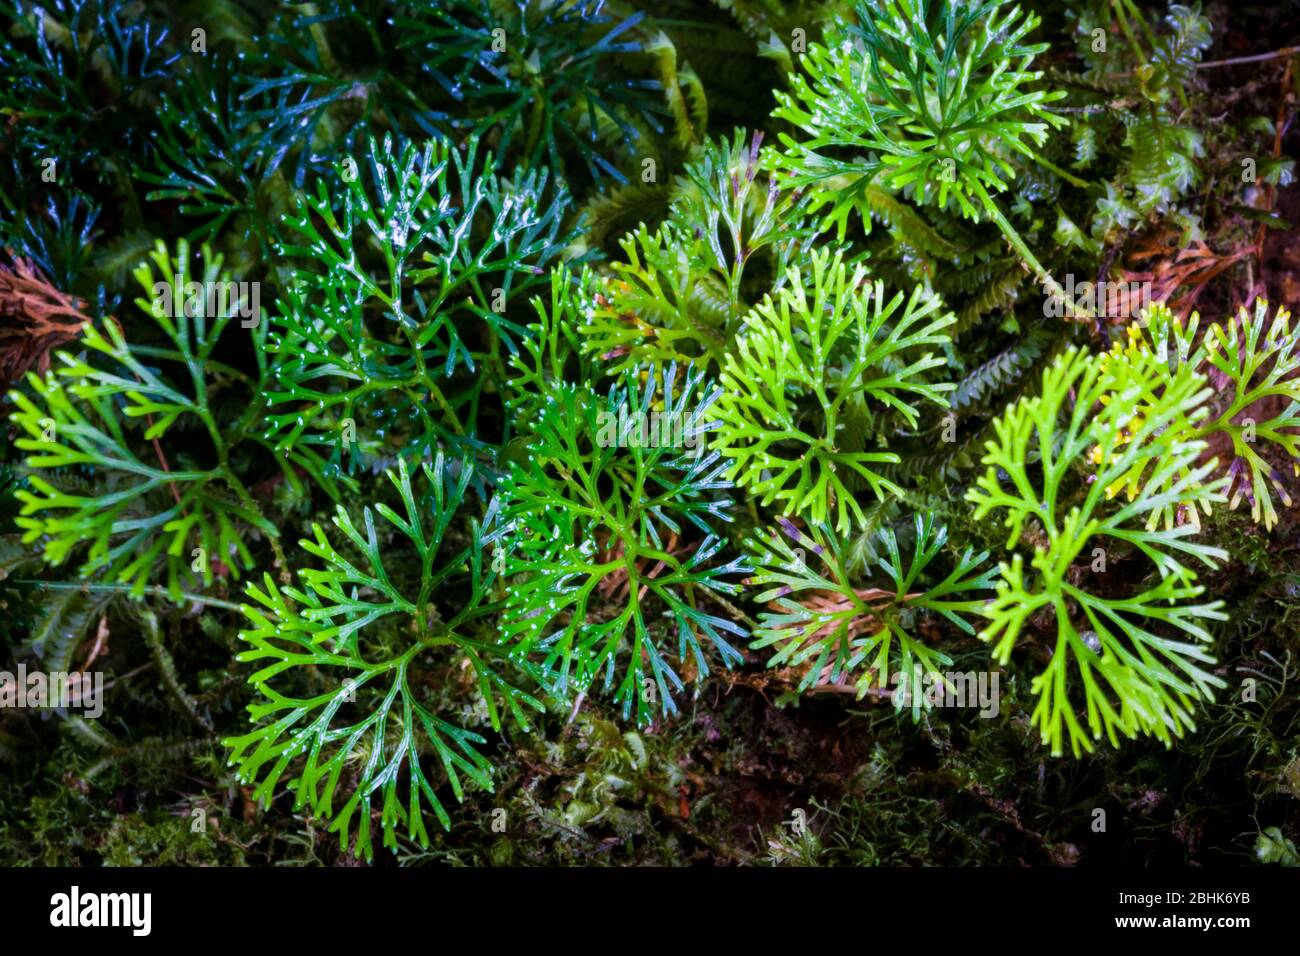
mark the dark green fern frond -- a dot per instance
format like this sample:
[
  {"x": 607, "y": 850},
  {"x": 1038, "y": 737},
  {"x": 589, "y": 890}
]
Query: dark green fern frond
[
  {"x": 59, "y": 621},
  {"x": 607, "y": 534},
  {"x": 545, "y": 78},
  {"x": 71, "y": 76},
  {"x": 617, "y": 211},
  {"x": 908, "y": 224},
  {"x": 210, "y": 154},
  {"x": 987, "y": 385},
  {"x": 406, "y": 276}
]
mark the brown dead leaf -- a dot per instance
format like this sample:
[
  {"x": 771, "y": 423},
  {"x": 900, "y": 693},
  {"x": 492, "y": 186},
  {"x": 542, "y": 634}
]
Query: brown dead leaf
[{"x": 38, "y": 318}]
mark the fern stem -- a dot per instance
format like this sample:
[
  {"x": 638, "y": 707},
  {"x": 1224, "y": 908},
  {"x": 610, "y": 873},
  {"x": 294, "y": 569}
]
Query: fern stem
[
  {"x": 1050, "y": 285},
  {"x": 153, "y": 590},
  {"x": 1118, "y": 7},
  {"x": 1142, "y": 22},
  {"x": 1257, "y": 58},
  {"x": 1067, "y": 176}
]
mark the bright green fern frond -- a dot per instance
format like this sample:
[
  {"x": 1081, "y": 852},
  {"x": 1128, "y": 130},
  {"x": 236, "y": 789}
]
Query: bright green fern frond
[
  {"x": 932, "y": 101},
  {"x": 1137, "y": 661},
  {"x": 346, "y": 660},
  {"x": 1261, "y": 359},
  {"x": 550, "y": 353},
  {"x": 682, "y": 290},
  {"x": 661, "y": 306},
  {"x": 827, "y": 352},
  {"x": 606, "y": 534},
  {"x": 107, "y": 407},
  {"x": 1256, "y": 360}
]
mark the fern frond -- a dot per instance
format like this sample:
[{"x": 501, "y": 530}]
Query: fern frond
[
  {"x": 810, "y": 359},
  {"x": 832, "y": 630},
  {"x": 984, "y": 385},
  {"x": 89, "y": 411},
  {"x": 929, "y": 102},
  {"x": 619, "y": 210},
  {"x": 606, "y": 528},
  {"x": 367, "y": 349},
  {"x": 1259, "y": 358},
  {"x": 999, "y": 295},
  {"x": 1114, "y": 650},
  {"x": 908, "y": 224},
  {"x": 370, "y": 636}
]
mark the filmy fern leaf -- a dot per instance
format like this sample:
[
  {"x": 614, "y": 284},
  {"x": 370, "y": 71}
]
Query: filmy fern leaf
[
  {"x": 934, "y": 102},
  {"x": 829, "y": 350},
  {"x": 1138, "y": 660},
  {"x": 607, "y": 529},
  {"x": 821, "y": 622},
  {"x": 107, "y": 407},
  {"x": 367, "y": 347},
  {"x": 346, "y": 659},
  {"x": 1255, "y": 359}
]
